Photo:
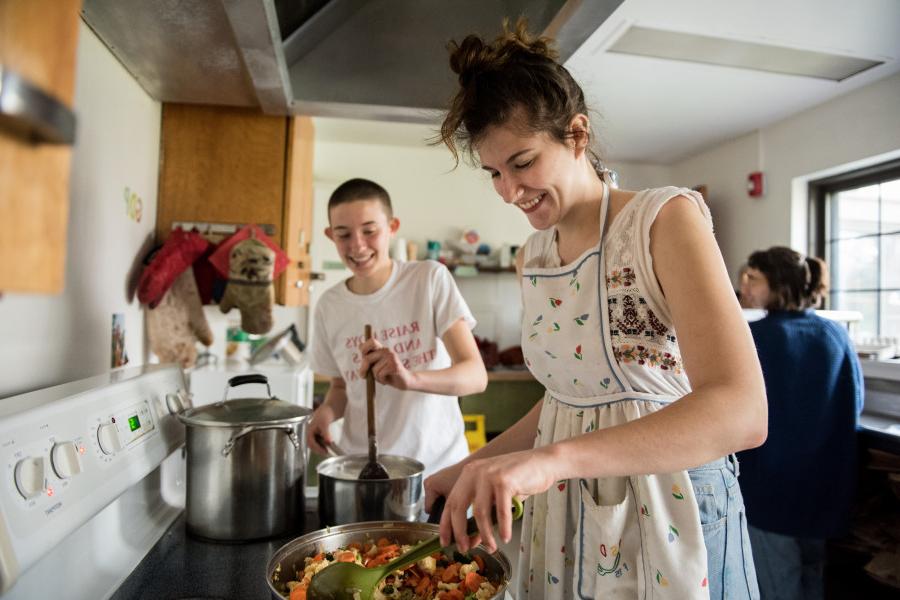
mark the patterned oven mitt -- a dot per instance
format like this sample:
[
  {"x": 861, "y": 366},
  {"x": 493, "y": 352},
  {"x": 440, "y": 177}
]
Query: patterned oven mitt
[
  {"x": 251, "y": 268},
  {"x": 178, "y": 322}
]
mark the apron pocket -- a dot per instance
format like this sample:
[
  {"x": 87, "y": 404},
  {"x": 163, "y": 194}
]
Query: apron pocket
[{"x": 607, "y": 542}]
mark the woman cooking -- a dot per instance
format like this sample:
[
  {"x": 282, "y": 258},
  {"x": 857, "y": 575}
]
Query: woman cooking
[{"x": 627, "y": 460}]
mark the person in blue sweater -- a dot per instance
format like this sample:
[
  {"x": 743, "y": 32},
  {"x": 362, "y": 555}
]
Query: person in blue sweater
[{"x": 799, "y": 485}]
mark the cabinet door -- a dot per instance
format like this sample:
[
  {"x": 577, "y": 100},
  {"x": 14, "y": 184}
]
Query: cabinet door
[
  {"x": 221, "y": 165},
  {"x": 38, "y": 41},
  {"x": 293, "y": 289}
]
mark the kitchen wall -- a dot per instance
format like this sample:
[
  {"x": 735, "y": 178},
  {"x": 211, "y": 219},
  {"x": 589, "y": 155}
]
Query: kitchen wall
[
  {"x": 434, "y": 201},
  {"x": 45, "y": 340},
  {"x": 851, "y": 131}
]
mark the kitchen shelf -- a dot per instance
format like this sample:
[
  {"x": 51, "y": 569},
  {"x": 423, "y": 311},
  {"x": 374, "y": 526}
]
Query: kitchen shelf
[
  {"x": 496, "y": 375},
  {"x": 479, "y": 270}
]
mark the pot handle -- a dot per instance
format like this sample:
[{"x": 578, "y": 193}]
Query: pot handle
[
  {"x": 245, "y": 379},
  {"x": 437, "y": 509},
  {"x": 229, "y": 445}
]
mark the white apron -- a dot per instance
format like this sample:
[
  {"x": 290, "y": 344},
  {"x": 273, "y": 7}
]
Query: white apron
[{"x": 617, "y": 537}]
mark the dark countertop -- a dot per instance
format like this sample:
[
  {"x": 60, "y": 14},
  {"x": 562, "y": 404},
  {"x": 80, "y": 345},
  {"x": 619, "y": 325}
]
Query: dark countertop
[
  {"x": 180, "y": 567},
  {"x": 880, "y": 432}
]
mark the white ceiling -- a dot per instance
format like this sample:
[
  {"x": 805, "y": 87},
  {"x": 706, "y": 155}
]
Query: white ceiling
[{"x": 660, "y": 111}]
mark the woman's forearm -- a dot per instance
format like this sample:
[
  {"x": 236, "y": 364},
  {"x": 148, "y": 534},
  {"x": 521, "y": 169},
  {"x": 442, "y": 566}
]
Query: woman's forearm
[{"x": 698, "y": 428}]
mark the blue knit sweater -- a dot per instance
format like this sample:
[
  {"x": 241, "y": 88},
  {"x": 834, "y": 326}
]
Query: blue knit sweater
[{"x": 801, "y": 481}]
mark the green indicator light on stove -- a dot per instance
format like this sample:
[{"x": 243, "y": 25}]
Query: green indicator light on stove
[{"x": 134, "y": 423}]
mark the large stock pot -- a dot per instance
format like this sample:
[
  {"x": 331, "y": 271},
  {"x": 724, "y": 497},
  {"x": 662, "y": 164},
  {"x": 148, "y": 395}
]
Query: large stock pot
[{"x": 246, "y": 466}]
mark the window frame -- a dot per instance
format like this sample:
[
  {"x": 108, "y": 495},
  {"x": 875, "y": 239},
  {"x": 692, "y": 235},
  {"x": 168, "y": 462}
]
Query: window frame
[{"x": 820, "y": 213}]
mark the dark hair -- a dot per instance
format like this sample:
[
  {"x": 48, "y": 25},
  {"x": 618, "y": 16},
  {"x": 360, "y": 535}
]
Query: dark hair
[
  {"x": 360, "y": 189},
  {"x": 514, "y": 77},
  {"x": 795, "y": 282}
]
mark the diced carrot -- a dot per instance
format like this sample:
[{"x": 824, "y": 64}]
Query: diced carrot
[
  {"x": 345, "y": 556},
  {"x": 450, "y": 573},
  {"x": 423, "y": 584},
  {"x": 367, "y": 547},
  {"x": 383, "y": 542},
  {"x": 388, "y": 549},
  {"x": 319, "y": 556},
  {"x": 381, "y": 559},
  {"x": 454, "y": 595},
  {"x": 298, "y": 593},
  {"x": 473, "y": 581},
  {"x": 355, "y": 546},
  {"x": 480, "y": 562}
]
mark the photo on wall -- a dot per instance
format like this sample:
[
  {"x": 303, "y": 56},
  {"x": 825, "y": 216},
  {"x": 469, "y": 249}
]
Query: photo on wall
[{"x": 119, "y": 355}]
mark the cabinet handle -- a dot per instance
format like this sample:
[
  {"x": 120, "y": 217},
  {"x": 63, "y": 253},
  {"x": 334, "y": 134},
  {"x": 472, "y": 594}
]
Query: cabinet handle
[
  {"x": 32, "y": 114},
  {"x": 301, "y": 264},
  {"x": 298, "y": 284},
  {"x": 315, "y": 276}
]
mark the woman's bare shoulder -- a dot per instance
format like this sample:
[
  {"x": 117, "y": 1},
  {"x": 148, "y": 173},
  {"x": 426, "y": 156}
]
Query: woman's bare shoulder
[{"x": 618, "y": 200}]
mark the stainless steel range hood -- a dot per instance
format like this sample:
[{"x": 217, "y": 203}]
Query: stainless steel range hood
[{"x": 366, "y": 59}]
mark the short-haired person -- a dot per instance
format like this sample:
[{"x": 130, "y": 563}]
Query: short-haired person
[
  {"x": 423, "y": 354},
  {"x": 632, "y": 325},
  {"x": 799, "y": 485}
]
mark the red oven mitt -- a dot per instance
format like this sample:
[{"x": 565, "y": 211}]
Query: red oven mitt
[{"x": 178, "y": 253}]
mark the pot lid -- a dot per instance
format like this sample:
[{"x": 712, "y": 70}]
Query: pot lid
[{"x": 246, "y": 411}]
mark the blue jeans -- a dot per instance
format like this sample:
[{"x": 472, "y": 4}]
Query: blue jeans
[
  {"x": 789, "y": 568},
  {"x": 724, "y": 523}
]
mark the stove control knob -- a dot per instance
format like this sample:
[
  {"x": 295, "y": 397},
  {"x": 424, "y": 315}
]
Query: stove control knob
[
  {"x": 30, "y": 479},
  {"x": 174, "y": 403},
  {"x": 65, "y": 460},
  {"x": 108, "y": 437}
]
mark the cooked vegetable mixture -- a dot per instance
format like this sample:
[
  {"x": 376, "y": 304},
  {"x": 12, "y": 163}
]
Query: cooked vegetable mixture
[{"x": 435, "y": 577}]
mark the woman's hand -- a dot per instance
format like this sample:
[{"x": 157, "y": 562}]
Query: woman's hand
[
  {"x": 387, "y": 368},
  {"x": 490, "y": 482},
  {"x": 440, "y": 483},
  {"x": 322, "y": 417}
]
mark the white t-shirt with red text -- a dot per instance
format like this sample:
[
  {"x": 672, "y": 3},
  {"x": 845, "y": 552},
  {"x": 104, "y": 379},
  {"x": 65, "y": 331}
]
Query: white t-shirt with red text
[{"x": 409, "y": 314}]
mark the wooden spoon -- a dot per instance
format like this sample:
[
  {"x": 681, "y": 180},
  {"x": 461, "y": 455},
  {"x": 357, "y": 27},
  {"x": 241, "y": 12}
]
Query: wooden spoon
[{"x": 373, "y": 469}]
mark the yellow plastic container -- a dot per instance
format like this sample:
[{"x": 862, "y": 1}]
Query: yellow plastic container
[{"x": 475, "y": 435}]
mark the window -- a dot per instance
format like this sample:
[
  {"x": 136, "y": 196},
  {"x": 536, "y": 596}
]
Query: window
[{"x": 857, "y": 230}]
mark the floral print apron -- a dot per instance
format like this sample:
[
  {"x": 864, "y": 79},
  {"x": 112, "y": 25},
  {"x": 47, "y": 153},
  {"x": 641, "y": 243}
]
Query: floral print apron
[{"x": 617, "y": 537}]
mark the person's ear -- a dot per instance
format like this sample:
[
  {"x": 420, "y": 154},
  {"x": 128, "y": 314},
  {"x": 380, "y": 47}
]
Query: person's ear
[
  {"x": 329, "y": 233},
  {"x": 580, "y": 126},
  {"x": 394, "y": 225}
]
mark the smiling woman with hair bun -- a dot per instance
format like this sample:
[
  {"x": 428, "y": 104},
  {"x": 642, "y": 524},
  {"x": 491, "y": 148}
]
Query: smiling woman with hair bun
[{"x": 631, "y": 324}]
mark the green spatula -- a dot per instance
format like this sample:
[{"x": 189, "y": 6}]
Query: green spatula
[{"x": 341, "y": 580}]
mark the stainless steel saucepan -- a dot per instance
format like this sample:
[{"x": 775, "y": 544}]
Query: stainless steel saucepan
[{"x": 344, "y": 498}]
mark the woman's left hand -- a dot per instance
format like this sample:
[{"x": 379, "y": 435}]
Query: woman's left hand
[
  {"x": 491, "y": 482},
  {"x": 387, "y": 368}
]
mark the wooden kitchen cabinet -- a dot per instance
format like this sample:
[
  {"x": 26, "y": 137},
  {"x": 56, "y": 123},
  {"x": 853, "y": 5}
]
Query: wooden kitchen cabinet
[
  {"x": 38, "y": 41},
  {"x": 237, "y": 166}
]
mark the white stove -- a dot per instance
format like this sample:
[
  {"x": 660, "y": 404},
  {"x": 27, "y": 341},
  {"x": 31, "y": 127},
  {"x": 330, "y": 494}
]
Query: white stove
[{"x": 92, "y": 477}]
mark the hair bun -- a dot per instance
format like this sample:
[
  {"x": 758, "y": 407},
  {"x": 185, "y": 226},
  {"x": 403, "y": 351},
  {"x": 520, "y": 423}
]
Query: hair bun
[
  {"x": 468, "y": 58},
  {"x": 472, "y": 56}
]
